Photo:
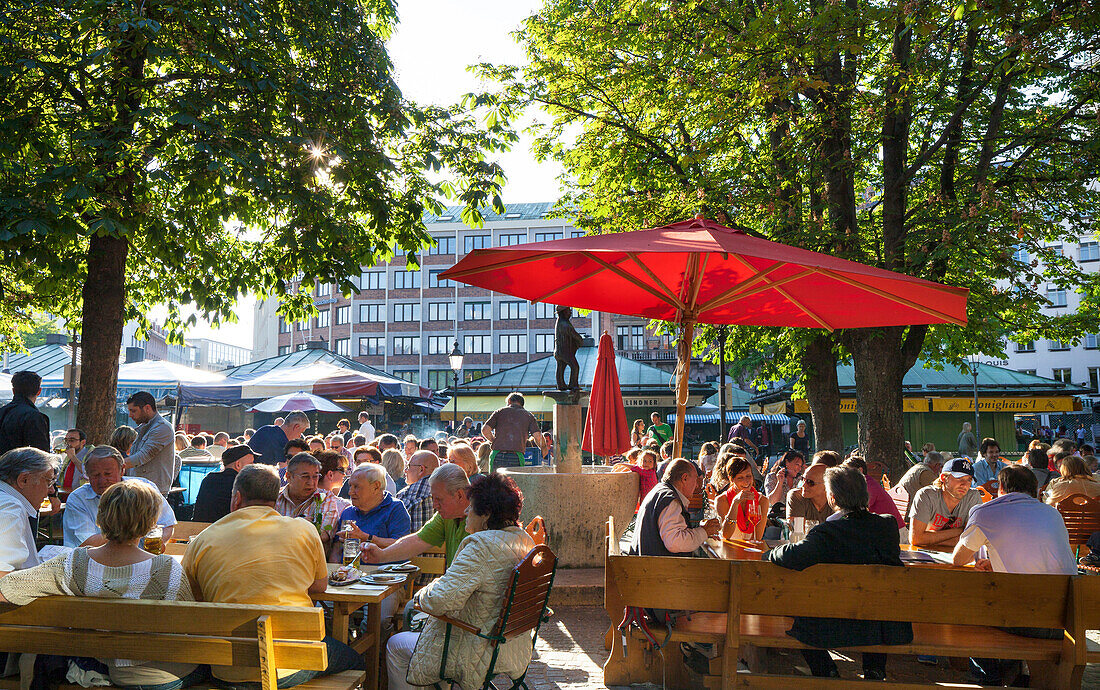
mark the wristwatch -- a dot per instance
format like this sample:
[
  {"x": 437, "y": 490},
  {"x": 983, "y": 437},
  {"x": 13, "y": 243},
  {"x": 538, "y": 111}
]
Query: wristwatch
[{"x": 370, "y": 538}]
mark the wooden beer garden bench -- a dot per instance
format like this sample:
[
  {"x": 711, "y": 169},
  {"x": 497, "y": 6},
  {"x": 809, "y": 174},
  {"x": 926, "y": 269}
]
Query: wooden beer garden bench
[
  {"x": 262, "y": 637},
  {"x": 746, "y": 602}
]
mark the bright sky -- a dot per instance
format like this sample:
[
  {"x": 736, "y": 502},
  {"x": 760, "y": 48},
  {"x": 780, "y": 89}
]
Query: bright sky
[{"x": 434, "y": 44}]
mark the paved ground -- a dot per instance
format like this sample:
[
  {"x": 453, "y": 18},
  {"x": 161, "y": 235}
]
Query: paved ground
[{"x": 570, "y": 654}]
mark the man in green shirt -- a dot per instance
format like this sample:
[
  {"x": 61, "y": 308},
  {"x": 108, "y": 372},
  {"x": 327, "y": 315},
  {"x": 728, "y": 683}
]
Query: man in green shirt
[
  {"x": 447, "y": 528},
  {"x": 659, "y": 430}
]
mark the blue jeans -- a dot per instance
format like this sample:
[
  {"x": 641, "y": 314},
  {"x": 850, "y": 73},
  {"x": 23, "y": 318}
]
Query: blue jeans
[
  {"x": 198, "y": 675},
  {"x": 341, "y": 658}
]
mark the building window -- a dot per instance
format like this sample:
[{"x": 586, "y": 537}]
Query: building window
[
  {"x": 410, "y": 375},
  {"x": 513, "y": 344},
  {"x": 477, "y": 311},
  {"x": 303, "y": 325},
  {"x": 630, "y": 337},
  {"x": 374, "y": 345},
  {"x": 1094, "y": 378},
  {"x": 284, "y": 349},
  {"x": 1057, "y": 297},
  {"x": 372, "y": 280},
  {"x": 544, "y": 342},
  {"x": 1063, "y": 375},
  {"x": 441, "y": 311},
  {"x": 443, "y": 245},
  {"x": 1026, "y": 346},
  {"x": 472, "y": 242},
  {"x": 343, "y": 315},
  {"x": 513, "y": 310},
  {"x": 477, "y": 344},
  {"x": 372, "y": 313},
  {"x": 544, "y": 310},
  {"x": 301, "y": 346},
  {"x": 434, "y": 281},
  {"x": 439, "y": 379},
  {"x": 1057, "y": 249},
  {"x": 577, "y": 233},
  {"x": 324, "y": 289},
  {"x": 284, "y": 325},
  {"x": 406, "y": 312},
  {"x": 1021, "y": 255},
  {"x": 322, "y": 319},
  {"x": 343, "y": 347},
  {"x": 406, "y": 345},
  {"x": 512, "y": 239},
  {"x": 548, "y": 236},
  {"x": 439, "y": 344},
  {"x": 1090, "y": 251},
  {"x": 406, "y": 280},
  {"x": 473, "y": 374},
  {"x": 1057, "y": 345}
]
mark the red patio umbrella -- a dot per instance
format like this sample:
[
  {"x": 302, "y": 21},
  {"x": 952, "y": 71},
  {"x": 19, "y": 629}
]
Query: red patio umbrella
[
  {"x": 605, "y": 430},
  {"x": 699, "y": 271}
]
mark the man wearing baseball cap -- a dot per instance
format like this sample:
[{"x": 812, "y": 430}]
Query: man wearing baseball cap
[
  {"x": 212, "y": 503},
  {"x": 938, "y": 513}
]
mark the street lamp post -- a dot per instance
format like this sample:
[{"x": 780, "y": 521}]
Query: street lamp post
[
  {"x": 456, "y": 366},
  {"x": 973, "y": 360}
]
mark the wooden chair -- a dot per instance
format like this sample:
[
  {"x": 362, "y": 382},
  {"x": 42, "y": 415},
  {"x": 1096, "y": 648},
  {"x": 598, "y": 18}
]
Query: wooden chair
[
  {"x": 524, "y": 609},
  {"x": 698, "y": 499},
  {"x": 431, "y": 562},
  {"x": 185, "y": 530},
  {"x": 987, "y": 496},
  {"x": 1082, "y": 517},
  {"x": 901, "y": 500},
  {"x": 992, "y": 486},
  {"x": 537, "y": 530}
]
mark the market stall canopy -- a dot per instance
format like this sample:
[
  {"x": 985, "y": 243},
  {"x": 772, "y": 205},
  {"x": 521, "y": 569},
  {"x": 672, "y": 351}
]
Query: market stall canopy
[
  {"x": 299, "y": 401},
  {"x": 325, "y": 379},
  {"x": 159, "y": 374}
]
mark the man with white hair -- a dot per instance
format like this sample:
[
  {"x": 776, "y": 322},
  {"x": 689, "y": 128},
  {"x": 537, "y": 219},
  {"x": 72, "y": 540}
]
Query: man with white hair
[
  {"x": 376, "y": 517},
  {"x": 104, "y": 467},
  {"x": 221, "y": 442},
  {"x": 26, "y": 478}
]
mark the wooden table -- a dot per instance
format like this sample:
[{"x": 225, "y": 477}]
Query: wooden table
[
  {"x": 351, "y": 597},
  {"x": 740, "y": 550}
]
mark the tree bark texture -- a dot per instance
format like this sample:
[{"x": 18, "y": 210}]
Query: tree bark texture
[
  {"x": 103, "y": 318},
  {"x": 823, "y": 393}
]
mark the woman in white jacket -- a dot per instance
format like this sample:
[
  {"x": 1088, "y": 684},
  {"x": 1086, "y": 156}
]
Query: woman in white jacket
[{"x": 472, "y": 590}]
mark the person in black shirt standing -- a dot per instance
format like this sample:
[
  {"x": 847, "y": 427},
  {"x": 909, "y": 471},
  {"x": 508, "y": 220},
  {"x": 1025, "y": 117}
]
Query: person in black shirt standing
[
  {"x": 216, "y": 491},
  {"x": 21, "y": 424}
]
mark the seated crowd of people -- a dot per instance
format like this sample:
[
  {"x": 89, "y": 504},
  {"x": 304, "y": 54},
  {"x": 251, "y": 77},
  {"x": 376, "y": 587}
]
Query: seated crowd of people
[
  {"x": 281, "y": 508},
  {"x": 832, "y": 510}
]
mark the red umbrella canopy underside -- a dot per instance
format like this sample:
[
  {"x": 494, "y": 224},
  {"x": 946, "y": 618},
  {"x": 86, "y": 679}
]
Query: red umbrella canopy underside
[{"x": 715, "y": 274}]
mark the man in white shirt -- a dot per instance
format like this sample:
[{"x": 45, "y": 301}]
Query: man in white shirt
[
  {"x": 104, "y": 468},
  {"x": 27, "y": 477},
  {"x": 1020, "y": 534},
  {"x": 221, "y": 442},
  {"x": 664, "y": 527},
  {"x": 366, "y": 429}
]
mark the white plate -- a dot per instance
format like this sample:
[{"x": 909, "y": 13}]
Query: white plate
[{"x": 383, "y": 579}]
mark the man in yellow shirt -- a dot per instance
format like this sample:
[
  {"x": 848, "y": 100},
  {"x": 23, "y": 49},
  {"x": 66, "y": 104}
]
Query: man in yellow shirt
[{"x": 256, "y": 556}]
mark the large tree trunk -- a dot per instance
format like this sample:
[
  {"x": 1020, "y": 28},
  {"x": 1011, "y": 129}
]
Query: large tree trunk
[
  {"x": 823, "y": 393},
  {"x": 882, "y": 356},
  {"x": 103, "y": 318}
]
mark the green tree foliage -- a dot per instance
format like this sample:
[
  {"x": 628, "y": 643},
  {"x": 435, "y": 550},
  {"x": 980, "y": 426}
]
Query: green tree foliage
[
  {"x": 935, "y": 139},
  {"x": 156, "y": 152}
]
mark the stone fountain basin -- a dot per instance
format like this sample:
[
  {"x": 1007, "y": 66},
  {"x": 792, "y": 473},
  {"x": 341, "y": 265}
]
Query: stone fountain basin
[{"x": 575, "y": 508}]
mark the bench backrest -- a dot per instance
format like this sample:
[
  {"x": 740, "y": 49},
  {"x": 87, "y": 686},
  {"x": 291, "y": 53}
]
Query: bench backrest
[
  {"x": 537, "y": 530},
  {"x": 528, "y": 592},
  {"x": 1082, "y": 517},
  {"x": 265, "y": 637},
  {"x": 901, "y": 500},
  {"x": 902, "y": 593}
]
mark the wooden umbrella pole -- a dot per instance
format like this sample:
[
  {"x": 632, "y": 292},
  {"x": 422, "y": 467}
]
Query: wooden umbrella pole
[{"x": 683, "y": 351}]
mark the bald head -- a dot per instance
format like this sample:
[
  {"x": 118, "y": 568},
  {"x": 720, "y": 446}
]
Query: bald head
[{"x": 421, "y": 464}]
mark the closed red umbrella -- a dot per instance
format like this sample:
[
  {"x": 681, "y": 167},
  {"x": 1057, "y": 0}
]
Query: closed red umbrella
[{"x": 605, "y": 430}]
